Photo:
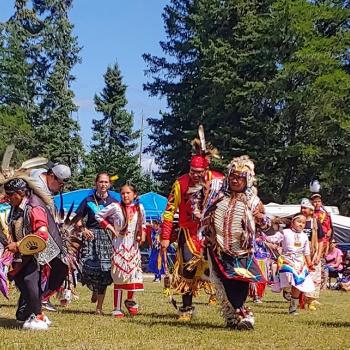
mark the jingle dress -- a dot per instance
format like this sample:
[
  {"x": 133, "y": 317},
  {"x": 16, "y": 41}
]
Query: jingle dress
[
  {"x": 291, "y": 265},
  {"x": 126, "y": 259}
]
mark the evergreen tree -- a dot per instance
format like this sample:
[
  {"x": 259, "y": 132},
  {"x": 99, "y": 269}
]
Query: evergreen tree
[
  {"x": 57, "y": 131},
  {"x": 14, "y": 129},
  {"x": 311, "y": 94},
  {"x": 18, "y": 46},
  {"x": 215, "y": 77},
  {"x": 266, "y": 78},
  {"x": 114, "y": 144},
  {"x": 17, "y": 37}
]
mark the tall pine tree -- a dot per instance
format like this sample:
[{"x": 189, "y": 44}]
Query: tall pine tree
[
  {"x": 114, "y": 144},
  {"x": 215, "y": 74},
  {"x": 311, "y": 93},
  {"x": 266, "y": 78},
  {"x": 18, "y": 38},
  {"x": 57, "y": 131}
]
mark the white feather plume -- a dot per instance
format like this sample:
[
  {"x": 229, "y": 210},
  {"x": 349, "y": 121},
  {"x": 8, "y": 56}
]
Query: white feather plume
[
  {"x": 315, "y": 186},
  {"x": 33, "y": 163}
]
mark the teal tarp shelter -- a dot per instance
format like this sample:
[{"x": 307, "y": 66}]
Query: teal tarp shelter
[{"x": 153, "y": 203}]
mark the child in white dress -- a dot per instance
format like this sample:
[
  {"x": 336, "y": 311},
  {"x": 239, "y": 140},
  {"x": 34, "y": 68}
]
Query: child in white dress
[
  {"x": 126, "y": 221},
  {"x": 294, "y": 263}
]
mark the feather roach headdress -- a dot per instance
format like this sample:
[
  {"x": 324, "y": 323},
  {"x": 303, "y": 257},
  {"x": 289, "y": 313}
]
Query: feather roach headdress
[{"x": 202, "y": 151}]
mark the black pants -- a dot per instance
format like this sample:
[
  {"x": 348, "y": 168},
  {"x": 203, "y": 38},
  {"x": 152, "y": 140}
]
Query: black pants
[
  {"x": 236, "y": 291},
  {"x": 28, "y": 283}
]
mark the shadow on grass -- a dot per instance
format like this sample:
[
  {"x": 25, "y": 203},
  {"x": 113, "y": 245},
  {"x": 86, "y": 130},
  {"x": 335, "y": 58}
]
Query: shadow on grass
[
  {"x": 175, "y": 323},
  {"x": 9, "y": 323},
  {"x": 7, "y": 306},
  {"x": 81, "y": 312},
  {"x": 275, "y": 302},
  {"x": 332, "y": 324},
  {"x": 276, "y": 312},
  {"x": 171, "y": 316},
  {"x": 265, "y": 306}
]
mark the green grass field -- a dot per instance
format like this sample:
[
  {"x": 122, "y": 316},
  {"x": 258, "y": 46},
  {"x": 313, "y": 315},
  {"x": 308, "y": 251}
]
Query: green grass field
[{"x": 76, "y": 326}]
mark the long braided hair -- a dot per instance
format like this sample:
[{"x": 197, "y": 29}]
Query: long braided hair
[{"x": 138, "y": 232}]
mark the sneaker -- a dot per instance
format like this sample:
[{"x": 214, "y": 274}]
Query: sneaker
[
  {"x": 117, "y": 313},
  {"x": 257, "y": 301},
  {"x": 35, "y": 323},
  {"x": 47, "y": 320},
  {"x": 156, "y": 280},
  {"x": 132, "y": 307},
  {"x": 245, "y": 319},
  {"x": 312, "y": 306},
  {"x": 185, "y": 317},
  {"x": 48, "y": 306}
]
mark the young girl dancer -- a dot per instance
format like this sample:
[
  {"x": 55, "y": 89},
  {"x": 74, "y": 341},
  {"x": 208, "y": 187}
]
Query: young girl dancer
[
  {"x": 126, "y": 221},
  {"x": 294, "y": 264}
]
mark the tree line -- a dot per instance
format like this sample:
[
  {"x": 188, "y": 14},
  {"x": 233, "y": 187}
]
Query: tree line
[
  {"x": 38, "y": 51},
  {"x": 266, "y": 78}
]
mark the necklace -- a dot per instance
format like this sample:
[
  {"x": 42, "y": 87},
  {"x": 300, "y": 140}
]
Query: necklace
[
  {"x": 99, "y": 196},
  {"x": 297, "y": 241}
]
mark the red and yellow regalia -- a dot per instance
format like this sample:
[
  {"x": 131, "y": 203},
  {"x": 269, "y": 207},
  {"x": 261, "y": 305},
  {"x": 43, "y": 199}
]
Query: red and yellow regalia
[{"x": 187, "y": 198}]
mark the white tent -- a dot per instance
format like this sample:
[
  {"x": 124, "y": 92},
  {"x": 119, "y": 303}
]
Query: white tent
[
  {"x": 283, "y": 210},
  {"x": 341, "y": 224}
]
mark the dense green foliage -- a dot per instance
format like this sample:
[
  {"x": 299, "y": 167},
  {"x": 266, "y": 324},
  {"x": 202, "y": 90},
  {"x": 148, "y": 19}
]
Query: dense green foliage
[
  {"x": 57, "y": 132},
  {"x": 114, "y": 144},
  {"x": 266, "y": 78},
  {"x": 37, "y": 54}
]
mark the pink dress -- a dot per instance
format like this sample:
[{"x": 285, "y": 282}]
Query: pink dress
[{"x": 333, "y": 257}]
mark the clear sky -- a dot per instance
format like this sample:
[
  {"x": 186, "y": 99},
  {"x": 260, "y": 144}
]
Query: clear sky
[{"x": 109, "y": 31}]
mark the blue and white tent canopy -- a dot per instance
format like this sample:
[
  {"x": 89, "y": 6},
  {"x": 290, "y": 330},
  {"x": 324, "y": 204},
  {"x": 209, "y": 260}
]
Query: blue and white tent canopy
[{"x": 153, "y": 203}]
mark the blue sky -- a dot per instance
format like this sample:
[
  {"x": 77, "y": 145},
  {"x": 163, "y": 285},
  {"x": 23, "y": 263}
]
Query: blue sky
[{"x": 109, "y": 31}]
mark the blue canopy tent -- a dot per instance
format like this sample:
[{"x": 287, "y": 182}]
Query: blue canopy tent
[
  {"x": 153, "y": 203},
  {"x": 77, "y": 197}
]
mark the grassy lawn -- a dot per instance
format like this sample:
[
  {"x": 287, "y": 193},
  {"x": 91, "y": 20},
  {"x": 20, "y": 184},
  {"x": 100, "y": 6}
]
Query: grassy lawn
[{"x": 76, "y": 327}]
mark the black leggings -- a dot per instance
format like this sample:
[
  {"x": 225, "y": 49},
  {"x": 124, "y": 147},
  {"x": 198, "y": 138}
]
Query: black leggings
[
  {"x": 28, "y": 282},
  {"x": 236, "y": 291}
]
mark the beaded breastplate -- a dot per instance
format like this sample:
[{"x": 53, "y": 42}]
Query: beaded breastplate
[{"x": 233, "y": 225}]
